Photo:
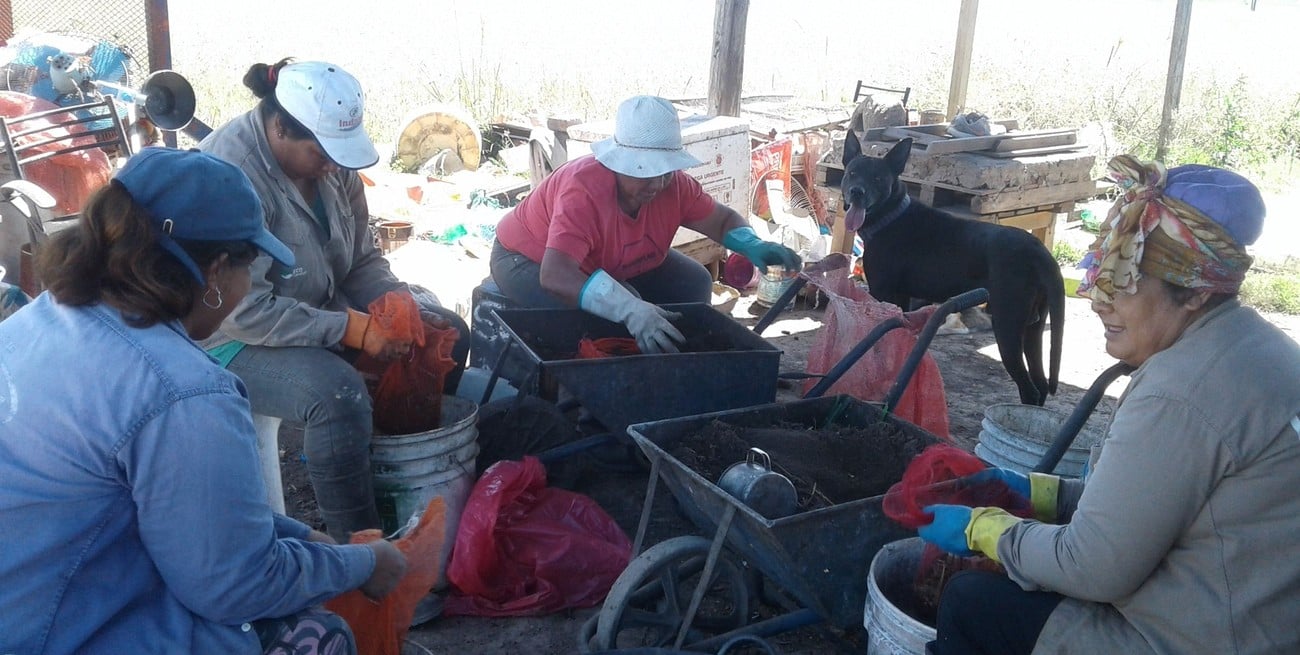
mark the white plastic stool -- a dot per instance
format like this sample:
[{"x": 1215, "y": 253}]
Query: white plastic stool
[{"x": 268, "y": 451}]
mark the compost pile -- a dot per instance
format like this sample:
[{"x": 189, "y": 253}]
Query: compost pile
[{"x": 828, "y": 466}]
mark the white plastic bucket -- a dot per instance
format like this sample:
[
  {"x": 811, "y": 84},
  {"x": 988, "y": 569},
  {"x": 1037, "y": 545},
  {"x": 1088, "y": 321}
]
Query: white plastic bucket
[
  {"x": 412, "y": 469},
  {"x": 890, "y": 631},
  {"x": 1016, "y": 437}
]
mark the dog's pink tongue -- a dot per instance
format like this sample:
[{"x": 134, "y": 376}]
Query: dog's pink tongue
[{"x": 854, "y": 218}]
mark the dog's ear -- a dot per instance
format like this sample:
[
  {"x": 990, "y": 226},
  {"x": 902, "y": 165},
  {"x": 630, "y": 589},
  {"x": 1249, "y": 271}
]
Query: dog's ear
[
  {"x": 852, "y": 147},
  {"x": 897, "y": 156}
]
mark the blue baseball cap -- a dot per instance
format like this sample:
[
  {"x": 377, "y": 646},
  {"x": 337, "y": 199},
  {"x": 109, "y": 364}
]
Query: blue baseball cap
[
  {"x": 192, "y": 195},
  {"x": 1223, "y": 196}
]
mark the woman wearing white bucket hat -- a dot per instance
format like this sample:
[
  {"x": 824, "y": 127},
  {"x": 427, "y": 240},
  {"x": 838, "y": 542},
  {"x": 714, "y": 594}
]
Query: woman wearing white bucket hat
[
  {"x": 293, "y": 337},
  {"x": 597, "y": 233}
]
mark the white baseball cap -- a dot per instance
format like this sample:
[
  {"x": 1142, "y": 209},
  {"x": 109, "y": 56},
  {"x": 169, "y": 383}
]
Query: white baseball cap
[
  {"x": 647, "y": 140},
  {"x": 329, "y": 102}
]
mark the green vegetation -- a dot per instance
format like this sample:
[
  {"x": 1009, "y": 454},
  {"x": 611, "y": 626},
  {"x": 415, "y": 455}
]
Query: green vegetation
[
  {"x": 1066, "y": 253},
  {"x": 1273, "y": 288}
]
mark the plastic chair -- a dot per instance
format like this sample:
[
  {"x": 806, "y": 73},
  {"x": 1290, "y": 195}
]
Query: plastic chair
[{"x": 268, "y": 453}]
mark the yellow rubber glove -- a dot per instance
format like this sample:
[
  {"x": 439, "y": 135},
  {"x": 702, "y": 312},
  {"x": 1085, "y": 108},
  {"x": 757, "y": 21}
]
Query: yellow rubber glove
[
  {"x": 985, "y": 528},
  {"x": 1043, "y": 491}
]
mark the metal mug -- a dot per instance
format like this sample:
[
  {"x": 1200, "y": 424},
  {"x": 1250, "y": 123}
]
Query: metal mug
[{"x": 754, "y": 483}]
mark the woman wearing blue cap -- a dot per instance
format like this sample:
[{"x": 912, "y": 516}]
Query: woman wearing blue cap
[
  {"x": 1183, "y": 539},
  {"x": 130, "y": 490}
]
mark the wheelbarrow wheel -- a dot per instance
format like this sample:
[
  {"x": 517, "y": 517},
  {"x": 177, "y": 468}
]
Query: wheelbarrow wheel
[{"x": 648, "y": 602}]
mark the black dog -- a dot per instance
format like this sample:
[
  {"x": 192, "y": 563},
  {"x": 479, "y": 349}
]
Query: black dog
[{"x": 915, "y": 251}]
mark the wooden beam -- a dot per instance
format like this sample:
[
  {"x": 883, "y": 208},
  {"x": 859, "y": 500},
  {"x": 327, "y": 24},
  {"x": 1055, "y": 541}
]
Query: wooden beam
[
  {"x": 961, "y": 56},
  {"x": 1174, "y": 81},
  {"x": 728, "y": 65},
  {"x": 159, "y": 41}
]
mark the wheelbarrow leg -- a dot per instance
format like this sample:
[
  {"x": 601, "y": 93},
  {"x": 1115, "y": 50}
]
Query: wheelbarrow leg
[
  {"x": 715, "y": 549},
  {"x": 1070, "y": 428}
]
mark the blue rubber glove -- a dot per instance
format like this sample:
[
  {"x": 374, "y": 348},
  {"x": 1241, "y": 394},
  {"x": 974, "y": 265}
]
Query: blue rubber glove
[
  {"x": 759, "y": 252},
  {"x": 948, "y": 529},
  {"x": 1040, "y": 489},
  {"x": 1015, "y": 480}
]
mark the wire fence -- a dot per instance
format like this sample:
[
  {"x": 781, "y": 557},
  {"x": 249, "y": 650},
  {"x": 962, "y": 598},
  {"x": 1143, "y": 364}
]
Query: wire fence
[{"x": 121, "y": 22}]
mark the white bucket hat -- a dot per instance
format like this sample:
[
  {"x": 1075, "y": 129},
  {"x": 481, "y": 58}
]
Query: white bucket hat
[
  {"x": 329, "y": 102},
  {"x": 647, "y": 140}
]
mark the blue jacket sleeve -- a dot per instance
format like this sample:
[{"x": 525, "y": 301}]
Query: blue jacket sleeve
[
  {"x": 193, "y": 474},
  {"x": 287, "y": 528}
]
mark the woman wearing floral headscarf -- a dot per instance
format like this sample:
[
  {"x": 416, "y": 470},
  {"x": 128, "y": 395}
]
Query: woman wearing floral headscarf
[{"x": 1184, "y": 538}]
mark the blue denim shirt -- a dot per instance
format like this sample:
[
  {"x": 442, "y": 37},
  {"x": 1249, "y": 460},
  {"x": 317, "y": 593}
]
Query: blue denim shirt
[{"x": 132, "y": 515}]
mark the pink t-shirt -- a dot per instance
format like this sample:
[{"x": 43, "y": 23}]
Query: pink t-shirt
[{"x": 576, "y": 212}]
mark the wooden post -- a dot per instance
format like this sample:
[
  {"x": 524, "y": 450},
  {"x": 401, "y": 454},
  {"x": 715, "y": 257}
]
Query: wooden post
[
  {"x": 961, "y": 56},
  {"x": 1174, "y": 82},
  {"x": 728, "y": 65}
]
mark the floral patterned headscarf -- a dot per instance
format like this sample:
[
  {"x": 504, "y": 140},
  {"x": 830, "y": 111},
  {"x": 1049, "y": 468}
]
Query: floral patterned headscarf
[{"x": 1151, "y": 230}]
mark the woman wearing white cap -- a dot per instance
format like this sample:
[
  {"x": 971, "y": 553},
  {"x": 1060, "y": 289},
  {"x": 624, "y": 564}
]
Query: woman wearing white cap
[
  {"x": 130, "y": 491},
  {"x": 301, "y": 147},
  {"x": 597, "y": 233}
]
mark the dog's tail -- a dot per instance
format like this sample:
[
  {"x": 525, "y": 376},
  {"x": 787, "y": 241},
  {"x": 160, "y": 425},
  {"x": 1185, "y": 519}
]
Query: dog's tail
[{"x": 1056, "y": 310}]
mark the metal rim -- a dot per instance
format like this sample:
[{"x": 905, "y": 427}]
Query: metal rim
[{"x": 646, "y": 604}]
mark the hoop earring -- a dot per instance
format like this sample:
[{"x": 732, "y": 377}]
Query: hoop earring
[{"x": 209, "y": 305}]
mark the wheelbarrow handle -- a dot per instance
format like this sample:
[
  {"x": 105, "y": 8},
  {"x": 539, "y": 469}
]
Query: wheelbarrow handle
[
  {"x": 841, "y": 367},
  {"x": 779, "y": 306},
  {"x": 950, "y": 306},
  {"x": 1070, "y": 428}
]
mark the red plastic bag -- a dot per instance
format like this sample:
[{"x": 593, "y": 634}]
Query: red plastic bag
[
  {"x": 921, "y": 486},
  {"x": 852, "y": 314},
  {"x": 523, "y": 549},
  {"x": 408, "y": 396},
  {"x": 380, "y": 627}
]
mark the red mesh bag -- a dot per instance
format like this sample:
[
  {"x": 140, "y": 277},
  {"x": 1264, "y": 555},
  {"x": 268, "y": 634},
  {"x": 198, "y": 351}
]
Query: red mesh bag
[
  {"x": 938, "y": 476},
  {"x": 381, "y": 626},
  {"x": 607, "y": 347},
  {"x": 941, "y": 475},
  {"x": 852, "y": 314},
  {"x": 524, "y": 549},
  {"x": 408, "y": 395}
]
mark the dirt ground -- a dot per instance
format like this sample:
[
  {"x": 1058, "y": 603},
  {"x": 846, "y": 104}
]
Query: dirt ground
[{"x": 973, "y": 380}]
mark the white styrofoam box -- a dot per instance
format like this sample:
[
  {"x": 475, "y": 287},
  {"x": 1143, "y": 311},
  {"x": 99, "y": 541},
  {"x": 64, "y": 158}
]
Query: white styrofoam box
[{"x": 720, "y": 142}]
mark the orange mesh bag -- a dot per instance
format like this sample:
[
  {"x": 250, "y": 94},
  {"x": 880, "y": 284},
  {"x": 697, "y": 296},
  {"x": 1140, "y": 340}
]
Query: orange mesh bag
[
  {"x": 380, "y": 627},
  {"x": 408, "y": 395},
  {"x": 851, "y": 315}
]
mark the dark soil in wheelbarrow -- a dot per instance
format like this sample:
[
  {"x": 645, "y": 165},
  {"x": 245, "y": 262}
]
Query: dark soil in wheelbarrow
[{"x": 828, "y": 467}]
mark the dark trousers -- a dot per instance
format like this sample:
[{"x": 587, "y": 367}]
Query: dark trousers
[
  {"x": 984, "y": 613},
  {"x": 678, "y": 279}
]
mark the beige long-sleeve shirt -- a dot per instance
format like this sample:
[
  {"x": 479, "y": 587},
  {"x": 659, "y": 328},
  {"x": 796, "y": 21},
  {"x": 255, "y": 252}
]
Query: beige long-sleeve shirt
[
  {"x": 337, "y": 264},
  {"x": 1186, "y": 537}
]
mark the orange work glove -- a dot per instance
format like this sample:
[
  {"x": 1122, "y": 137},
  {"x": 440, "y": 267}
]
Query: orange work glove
[{"x": 360, "y": 334}]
